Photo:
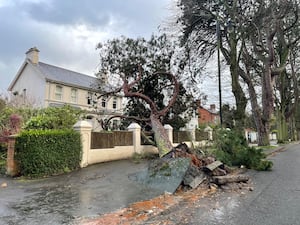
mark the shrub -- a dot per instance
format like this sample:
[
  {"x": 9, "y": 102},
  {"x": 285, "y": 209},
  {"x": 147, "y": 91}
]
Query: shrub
[
  {"x": 54, "y": 118},
  {"x": 231, "y": 148},
  {"x": 13, "y": 127},
  {"x": 24, "y": 113},
  {"x": 48, "y": 152}
]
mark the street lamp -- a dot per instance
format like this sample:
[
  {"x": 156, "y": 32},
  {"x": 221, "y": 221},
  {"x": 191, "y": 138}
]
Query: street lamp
[{"x": 219, "y": 70}]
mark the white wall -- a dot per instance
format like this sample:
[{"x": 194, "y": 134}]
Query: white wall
[{"x": 33, "y": 83}]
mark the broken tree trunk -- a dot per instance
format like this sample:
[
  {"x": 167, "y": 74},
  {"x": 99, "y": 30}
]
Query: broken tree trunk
[
  {"x": 220, "y": 180},
  {"x": 161, "y": 138}
]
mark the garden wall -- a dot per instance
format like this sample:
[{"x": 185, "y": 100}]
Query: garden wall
[{"x": 109, "y": 146}]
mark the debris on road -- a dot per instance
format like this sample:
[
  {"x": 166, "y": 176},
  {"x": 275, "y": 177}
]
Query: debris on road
[
  {"x": 182, "y": 168},
  {"x": 236, "y": 178}
]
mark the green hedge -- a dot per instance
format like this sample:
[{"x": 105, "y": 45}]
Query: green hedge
[{"x": 48, "y": 152}]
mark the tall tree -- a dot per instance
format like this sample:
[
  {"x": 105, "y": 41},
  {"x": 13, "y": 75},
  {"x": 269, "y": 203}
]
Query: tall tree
[
  {"x": 249, "y": 33},
  {"x": 204, "y": 22},
  {"x": 287, "y": 81},
  {"x": 265, "y": 56}
]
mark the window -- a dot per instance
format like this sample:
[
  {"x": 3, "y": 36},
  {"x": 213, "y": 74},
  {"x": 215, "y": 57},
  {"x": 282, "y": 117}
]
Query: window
[
  {"x": 103, "y": 102},
  {"x": 58, "y": 92},
  {"x": 90, "y": 98},
  {"x": 115, "y": 100},
  {"x": 74, "y": 95}
]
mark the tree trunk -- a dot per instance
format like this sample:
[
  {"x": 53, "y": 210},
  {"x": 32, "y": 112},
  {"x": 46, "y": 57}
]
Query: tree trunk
[
  {"x": 220, "y": 180},
  {"x": 240, "y": 98},
  {"x": 267, "y": 101},
  {"x": 161, "y": 138},
  {"x": 282, "y": 127},
  {"x": 263, "y": 134}
]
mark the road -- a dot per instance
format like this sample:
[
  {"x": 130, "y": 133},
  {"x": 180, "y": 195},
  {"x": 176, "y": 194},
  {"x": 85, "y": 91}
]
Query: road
[
  {"x": 106, "y": 187},
  {"x": 274, "y": 201},
  {"x": 57, "y": 200}
]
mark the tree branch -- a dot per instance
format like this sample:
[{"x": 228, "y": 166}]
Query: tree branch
[{"x": 173, "y": 79}]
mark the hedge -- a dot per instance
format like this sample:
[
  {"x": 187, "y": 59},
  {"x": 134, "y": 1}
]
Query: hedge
[{"x": 48, "y": 152}]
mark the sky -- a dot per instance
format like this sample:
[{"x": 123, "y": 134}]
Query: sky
[{"x": 67, "y": 31}]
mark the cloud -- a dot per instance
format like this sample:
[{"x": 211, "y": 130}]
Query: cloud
[{"x": 66, "y": 32}]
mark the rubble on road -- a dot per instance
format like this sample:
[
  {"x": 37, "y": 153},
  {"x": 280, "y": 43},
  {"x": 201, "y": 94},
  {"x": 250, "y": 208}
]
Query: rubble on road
[{"x": 185, "y": 169}]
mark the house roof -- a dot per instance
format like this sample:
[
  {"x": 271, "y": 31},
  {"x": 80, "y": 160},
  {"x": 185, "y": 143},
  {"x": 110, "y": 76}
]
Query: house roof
[{"x": 61, "y": 75}]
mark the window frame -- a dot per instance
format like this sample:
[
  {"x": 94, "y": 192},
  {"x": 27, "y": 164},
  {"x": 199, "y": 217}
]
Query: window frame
[
  {"x": 74, "y": 99},
  {"x": 58, "y": 94}
]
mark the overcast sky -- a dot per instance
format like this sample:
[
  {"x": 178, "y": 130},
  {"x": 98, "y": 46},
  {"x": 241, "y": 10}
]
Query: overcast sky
[{"x": 67, "y": 31}]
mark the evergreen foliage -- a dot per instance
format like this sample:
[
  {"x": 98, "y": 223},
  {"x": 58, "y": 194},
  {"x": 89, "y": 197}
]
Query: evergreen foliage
[
  {"x": 54, "y": 118},
  {"x": 123, "y": 55},
  {"x": 232, "y": 148},
  {"x": 48, "y": 152}
]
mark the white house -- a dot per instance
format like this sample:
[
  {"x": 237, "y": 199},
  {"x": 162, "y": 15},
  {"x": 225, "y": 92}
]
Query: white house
[{"x": 50, "y": 85}]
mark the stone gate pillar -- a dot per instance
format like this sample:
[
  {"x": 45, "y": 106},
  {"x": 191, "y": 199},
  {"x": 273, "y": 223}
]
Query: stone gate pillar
[
  {"x": 136, "y": 130},
  {"x": 85, "y": 130},
  {"x": 11, "y": 165},
  {"x": 169, "y": 130}
]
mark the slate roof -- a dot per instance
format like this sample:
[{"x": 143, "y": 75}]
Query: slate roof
[{"x": 67, "y": 77}]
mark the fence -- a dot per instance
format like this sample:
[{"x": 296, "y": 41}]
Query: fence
[
  {"x": 109, "y": 146},
  {"x": 111, "y": 139}
]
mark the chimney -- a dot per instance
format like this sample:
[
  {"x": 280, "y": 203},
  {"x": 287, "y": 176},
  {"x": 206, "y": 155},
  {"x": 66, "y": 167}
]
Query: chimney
[
  {"x": 213, "y": 107},
  {"x": 33, "y": 55},
  {"x": 198, "y": 103}
]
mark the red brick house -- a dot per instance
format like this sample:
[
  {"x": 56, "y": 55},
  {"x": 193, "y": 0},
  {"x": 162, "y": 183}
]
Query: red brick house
[{"x": 207, "y": 116}]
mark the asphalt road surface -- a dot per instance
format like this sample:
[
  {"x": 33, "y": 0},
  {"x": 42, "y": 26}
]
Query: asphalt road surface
[
  {"x": 274, "y": 201},
  {"x": 88, "y": 192},
  {"x": 271, "y": 198},
  {"x": 104, "y": 188}
]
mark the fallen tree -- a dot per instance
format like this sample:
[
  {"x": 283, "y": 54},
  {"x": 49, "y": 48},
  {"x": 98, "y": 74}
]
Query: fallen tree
[
  {"x": 176, "y": 165},
  {"x": 161, "y": 139}
]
